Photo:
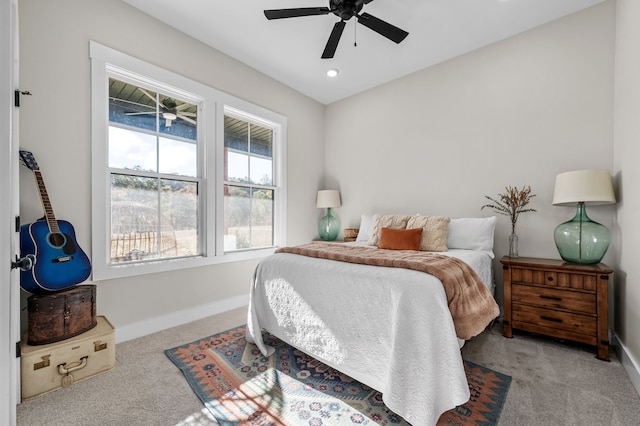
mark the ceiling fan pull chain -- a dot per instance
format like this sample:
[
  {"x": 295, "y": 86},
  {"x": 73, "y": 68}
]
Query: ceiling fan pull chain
[{"x": 355, "y": 35}]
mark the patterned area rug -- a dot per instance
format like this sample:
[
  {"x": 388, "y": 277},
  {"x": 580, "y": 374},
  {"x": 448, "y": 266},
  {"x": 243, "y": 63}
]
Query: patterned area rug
[{"x": 240, "y": 386}]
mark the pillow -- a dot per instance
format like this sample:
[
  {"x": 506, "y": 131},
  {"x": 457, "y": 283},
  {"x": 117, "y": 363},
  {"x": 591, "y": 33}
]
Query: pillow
[
  {"x": 472, "y": 233},
  {"x": 380, "y": 221},
  {"x": 434, "y": 234},
  {"x": 366, "y": 223},
  {"x": 400, "y": 239}
]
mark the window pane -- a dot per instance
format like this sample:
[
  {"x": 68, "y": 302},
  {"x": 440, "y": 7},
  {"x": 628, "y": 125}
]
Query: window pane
[
  {"x": 180, "y": 217},
  {"x": 261, "y": 140},
  {"x": 236, "y": 134},
  {"x": 261, "y": 170},
  {"x": 248, "y": 218},
  {"x": 178, "y": 157},
  {"x": 261, "y": 147},
  {"x": 132, "y": 106},
  {"x": 134, "y": 218},
  {"x": 236, "y": 167},
  {"x": 237, "y": 214},
  {"x": 133, "y": 150},
  {"x": 236, "y": 148},
  {"x": 262, "y": 218}
]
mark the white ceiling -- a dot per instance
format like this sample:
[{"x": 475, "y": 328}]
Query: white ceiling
[{"x": 289, "y": 50}]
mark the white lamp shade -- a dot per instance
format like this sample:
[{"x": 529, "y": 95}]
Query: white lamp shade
[
  {"x": 592, "y": 187},
  {"x": 328, "y": 198}
]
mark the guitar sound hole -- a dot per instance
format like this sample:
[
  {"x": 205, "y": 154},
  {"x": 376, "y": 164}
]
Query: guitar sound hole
[
  {"x": 57, "y": 240},
  {"x": 70, "y": 246}
]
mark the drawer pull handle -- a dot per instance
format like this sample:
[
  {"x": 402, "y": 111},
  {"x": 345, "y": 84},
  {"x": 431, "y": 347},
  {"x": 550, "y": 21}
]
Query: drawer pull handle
[
  {"x": 559, "y": 299},
  {"x": 549, "y": 278},
  {"x": 550, "y": 318}
]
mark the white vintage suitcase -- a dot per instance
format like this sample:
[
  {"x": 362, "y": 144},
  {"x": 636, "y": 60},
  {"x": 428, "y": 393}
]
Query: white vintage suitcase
[{"x": 60, "y": 364}]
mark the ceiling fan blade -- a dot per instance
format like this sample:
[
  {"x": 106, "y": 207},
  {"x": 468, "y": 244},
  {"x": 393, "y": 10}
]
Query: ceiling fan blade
[
  {"x": 383, "y": 28},
  {"x": 334, "y": 38},
  {"x": 153, "y": 98},
  {"x": 139, "y": 113},
  {"x": 294, "y": 13},
  {"x": 188, "y": 114},
  {"x": 187, "y": 119}
]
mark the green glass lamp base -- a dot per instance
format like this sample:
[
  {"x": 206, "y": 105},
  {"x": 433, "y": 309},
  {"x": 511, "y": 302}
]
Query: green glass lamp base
[
  {"x": 582, "y": 240},
  {"x": 329, "y": 226}
]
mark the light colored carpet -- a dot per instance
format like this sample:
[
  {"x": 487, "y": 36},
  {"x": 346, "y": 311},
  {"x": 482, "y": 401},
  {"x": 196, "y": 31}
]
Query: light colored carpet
[{"x": 553, "y": 383}]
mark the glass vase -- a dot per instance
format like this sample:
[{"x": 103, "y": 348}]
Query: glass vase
[
  {"x": 329, "y": 226},
  {"x": 513, "y": 245},
  {"x": 581, "y": 240}
]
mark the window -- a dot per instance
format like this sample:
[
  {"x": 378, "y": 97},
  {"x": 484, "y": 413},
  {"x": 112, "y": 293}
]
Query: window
[
  {"x": 183, "y": 175},
  {"x": 153, "y": 173},
  {"x": 248, "y": 183}
]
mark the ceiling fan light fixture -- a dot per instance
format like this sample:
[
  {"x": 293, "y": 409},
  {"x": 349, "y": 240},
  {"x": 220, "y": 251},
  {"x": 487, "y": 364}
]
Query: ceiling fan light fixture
[
  {"x": 169, "y": 116},
  {"x": 333, "y": 72}
]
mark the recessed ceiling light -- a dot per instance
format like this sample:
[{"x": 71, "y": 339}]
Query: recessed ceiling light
[{"x": 332, "y": 72}]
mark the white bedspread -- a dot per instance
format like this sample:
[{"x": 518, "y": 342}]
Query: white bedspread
[{"x": 389, "y": 328}]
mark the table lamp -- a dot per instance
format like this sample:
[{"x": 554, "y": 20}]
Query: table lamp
[
  {"x": 329, "y": 225},
  {"x": 581, "y": 240}
]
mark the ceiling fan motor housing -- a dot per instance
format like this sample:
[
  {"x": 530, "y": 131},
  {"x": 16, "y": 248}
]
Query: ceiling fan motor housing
[{"x": 346, "y": 9}]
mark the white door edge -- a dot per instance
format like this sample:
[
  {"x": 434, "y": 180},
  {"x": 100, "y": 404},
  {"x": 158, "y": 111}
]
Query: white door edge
[{"x": 9, "y": 209}]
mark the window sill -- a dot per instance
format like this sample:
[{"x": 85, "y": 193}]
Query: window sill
[{"x": 134, "y": 269}]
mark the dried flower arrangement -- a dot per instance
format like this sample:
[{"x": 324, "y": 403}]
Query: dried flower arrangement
[{"x": 512, "y": 203}]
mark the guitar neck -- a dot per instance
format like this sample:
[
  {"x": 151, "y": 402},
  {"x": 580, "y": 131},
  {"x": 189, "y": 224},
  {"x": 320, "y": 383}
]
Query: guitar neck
[{"x": 46, "y": 204}]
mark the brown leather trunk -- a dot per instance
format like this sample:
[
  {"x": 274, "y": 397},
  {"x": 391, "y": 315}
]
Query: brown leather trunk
[{"x": 61, "y": 315}]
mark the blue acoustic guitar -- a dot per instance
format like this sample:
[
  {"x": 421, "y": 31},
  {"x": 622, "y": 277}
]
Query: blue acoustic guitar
[{"x": 60, "y": 263}]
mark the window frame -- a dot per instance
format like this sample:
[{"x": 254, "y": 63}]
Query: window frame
[{"x": 212, "y": 106}]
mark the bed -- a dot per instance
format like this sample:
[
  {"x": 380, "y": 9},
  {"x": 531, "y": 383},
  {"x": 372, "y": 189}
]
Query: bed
[{"x": 388, "y": 327}]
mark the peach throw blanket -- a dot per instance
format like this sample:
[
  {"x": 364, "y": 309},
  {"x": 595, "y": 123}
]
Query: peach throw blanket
[{"x": 471, "y": 304}]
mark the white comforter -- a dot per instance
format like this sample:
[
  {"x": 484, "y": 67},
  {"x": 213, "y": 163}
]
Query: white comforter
[{"x": 389, "y": 328}]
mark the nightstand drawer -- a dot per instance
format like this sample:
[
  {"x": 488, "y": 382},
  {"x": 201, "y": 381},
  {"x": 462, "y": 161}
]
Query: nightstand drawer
[
  {"x": 575, "y": 323},
  {"x": 554, "y": 299},
  {"x": 554, "y": 279}
]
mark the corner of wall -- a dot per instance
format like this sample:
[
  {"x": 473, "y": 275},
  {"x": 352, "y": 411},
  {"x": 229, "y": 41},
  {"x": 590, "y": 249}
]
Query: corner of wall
[{"x": 631, "y": 365}]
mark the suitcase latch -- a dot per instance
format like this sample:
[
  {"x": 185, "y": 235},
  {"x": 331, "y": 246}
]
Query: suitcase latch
[
  {"x": 42, "y": 364},
  {"x": 98, "y": 345}
]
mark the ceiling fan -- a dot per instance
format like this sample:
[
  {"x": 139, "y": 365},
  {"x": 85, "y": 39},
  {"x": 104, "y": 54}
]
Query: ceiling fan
[
  {"x": 169, "y": 109},
  {"x": 345, "y": 10}
]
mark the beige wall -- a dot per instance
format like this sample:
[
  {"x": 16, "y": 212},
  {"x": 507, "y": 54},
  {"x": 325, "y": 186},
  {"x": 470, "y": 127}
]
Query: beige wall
[
  {"x": 517, "y": 112},
  {"x": 627, "y": 174},
  {"x": 55, "y": 125}
]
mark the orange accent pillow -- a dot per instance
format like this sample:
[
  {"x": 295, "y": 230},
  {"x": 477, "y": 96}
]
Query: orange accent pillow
[{"x": 400, "y": 239}]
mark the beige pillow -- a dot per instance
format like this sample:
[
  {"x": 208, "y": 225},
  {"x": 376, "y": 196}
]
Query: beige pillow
[
  {"x": 434, "y": 231},
  {"x": 380, "y": 221}
]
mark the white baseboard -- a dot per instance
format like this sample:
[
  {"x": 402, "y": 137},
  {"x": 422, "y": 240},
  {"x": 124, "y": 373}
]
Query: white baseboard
[
  {"x": 631, "y": 365},
  {"x": 153, "y": 325}
]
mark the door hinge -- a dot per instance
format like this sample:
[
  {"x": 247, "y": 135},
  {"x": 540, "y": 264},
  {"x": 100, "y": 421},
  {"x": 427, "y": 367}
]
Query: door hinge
[
  {"x": 17, "y": 223},
  {"x": 17, "y": 93},
  {"x": 18, "y": 350}
]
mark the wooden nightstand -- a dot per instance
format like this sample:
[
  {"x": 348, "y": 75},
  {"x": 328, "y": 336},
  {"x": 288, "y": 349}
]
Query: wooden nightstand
[{"x": 558, "y": 299}]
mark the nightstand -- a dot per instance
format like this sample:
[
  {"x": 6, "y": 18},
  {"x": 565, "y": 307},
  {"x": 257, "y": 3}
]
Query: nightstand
[{"x": 559, "y": 299}]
